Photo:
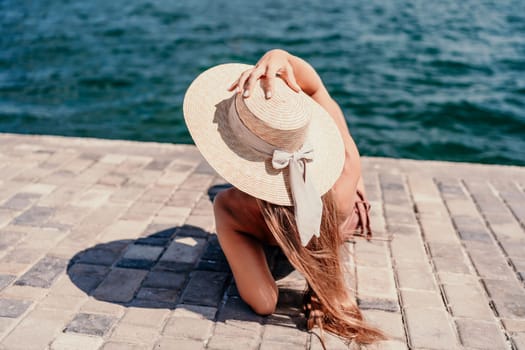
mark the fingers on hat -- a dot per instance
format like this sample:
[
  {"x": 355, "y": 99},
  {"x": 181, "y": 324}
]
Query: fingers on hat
[
  {"x": 289, "y": 77},
  {"x": 271, "y": 74},
  {"x": 255, "y": 75},
  {"x": 241, "y": 82},
  {"x": 234, "y": 85}
]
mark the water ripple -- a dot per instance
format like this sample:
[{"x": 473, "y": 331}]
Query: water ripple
[{"x": 425, "y": 80}]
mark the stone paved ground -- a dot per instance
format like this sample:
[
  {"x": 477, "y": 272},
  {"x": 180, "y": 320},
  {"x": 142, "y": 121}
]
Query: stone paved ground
[{"x": 110, "y": 245}]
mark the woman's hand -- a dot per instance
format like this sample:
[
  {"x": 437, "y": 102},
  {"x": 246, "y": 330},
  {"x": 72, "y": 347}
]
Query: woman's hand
[{"x": 274, "y": 63}]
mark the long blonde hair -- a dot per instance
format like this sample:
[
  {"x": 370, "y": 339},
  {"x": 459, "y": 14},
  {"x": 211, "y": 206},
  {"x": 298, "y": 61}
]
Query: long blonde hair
[{"x": 327, "y": 303}]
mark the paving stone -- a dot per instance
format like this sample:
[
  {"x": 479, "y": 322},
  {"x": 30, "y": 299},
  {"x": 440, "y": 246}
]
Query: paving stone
[
  {"x": 490, "y": 263},
  {"x": 136, "y": 264},
  {"x": 375, "y": 282},
  {"x": 409, "y": 230},
  {"x": 205, "y": 288},
  {"x": 390, "y": 323},
  {"x": 429, "y": 328},
  {"x": 165, "y": 279},
  {"x": 374, "y": 254},
  {"x": 87, "y": 277},
  {"x": 123, "y": 230},
  {"x": 175, "y": 212},
  {"x": 158, "y": 164},
  {"x": 157, "y": 193},
  {"x": 514, "y": 325},
  {"x": 195, "y": 311},
  {"x": 188, "y": 328},
  {"x": 400, "y": 217},
  {"x": 207, "y": 222},
  {"x": 480, "y": 335},
  {"x": 21, "y": 201},
  {"x": 5, "y": 324},
  {"x": 213, "y": 258},
  {"x": 126, "y": 195},
  {"x": 414, "y": 275},
  {"x": 94, "y": 306},
  {"x": 101, "y": 254},
  {"x": 151, "y": 304},
  {"x": 471, "y": 229},
  {"x": 8, "y": 239},
  {"x": 62, "y": 302},
  {"x": 508, "y": 297},
  {"x": 25, "y": 293},
  {"x": 455, "y": 279},
  {"x": 112, "y": 179},
  {"x": 467, "y": 301},
  {"x": 170, "y": 343},
  {"x": 235, "y": 309},
  {"x": 513, "y": 247},
  {"x": 203, "y": 207},
  {"x": 153, "y": 318},
  {"x": 120, "y": 285},
  {"x": 5, "y": 216},
  {"x": 512, "y": 197},
  {"x": 242, "y": 335},
  {"x": 173, "y": 266},
  {"x": 421, "y": 298},
  {"x": 65, "y": 287},
  {"x": 438, "y": 230},
  {"x": 192, "y": 231},
  {"x": 519, "y": 341},
  {"x": 92, "y": 324},
  {"x": 140, "y": 256},
  {"x": 153, "y": 241},
  {"x": 184, "y": 250},
  {"x": 330, "y": 342},
  {"x": 450, "y": 188},
  {"x": 408, "y": 248},
  {"x": 68, "y": 341},
  {"x": 13, "y": 308},
  {"x": 158, "y": 294},
  {"x": 141, "y": 210},
  {"x": 197, "y": 181},
  {"x": 371, "y": 303},
  {"x": 448, "y": 257},
  {"x": 5, "y": 280},
  {"x": 184, "y": 198},
  {"x": 36, "y": 330},
  {"x": 35, "y": 216},
  {"x": 212, "y": 265},
  {"x": 115, "y": 345},
  {"x": 134, "y": 334},
  {"x": 388, "y": 345},
  {"x": 160, "y": 231},
  {"x": 44, "y": 273}
]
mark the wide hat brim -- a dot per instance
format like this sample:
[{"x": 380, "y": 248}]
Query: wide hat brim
[{"x": 205, "y": 107}]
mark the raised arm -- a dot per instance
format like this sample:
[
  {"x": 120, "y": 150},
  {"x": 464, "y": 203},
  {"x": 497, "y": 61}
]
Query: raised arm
[{"x": 300, "y": 75}]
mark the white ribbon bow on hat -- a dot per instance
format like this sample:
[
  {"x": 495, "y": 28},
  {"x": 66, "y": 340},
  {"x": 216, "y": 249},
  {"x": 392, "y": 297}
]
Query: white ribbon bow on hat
[{"x": 308, "y": 205}]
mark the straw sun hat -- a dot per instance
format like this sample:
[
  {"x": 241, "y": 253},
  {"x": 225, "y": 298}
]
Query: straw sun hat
[{"x": 286, "y": 122}]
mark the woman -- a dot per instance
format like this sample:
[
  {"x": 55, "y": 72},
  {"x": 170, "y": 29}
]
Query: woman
[{"x": 283, "y": 143}]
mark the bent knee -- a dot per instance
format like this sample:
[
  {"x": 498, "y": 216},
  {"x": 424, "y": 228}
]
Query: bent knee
[{"x": 265, "y": 307}]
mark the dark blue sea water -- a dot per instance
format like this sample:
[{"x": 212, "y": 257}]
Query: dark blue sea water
[{"x": 416, "y": 79}]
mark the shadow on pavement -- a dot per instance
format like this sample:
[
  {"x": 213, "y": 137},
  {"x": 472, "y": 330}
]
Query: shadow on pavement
[{"x": 181, "y": 266}]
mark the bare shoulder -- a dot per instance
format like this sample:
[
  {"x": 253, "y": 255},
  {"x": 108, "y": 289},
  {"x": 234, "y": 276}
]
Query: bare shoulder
[{"x": 244, "y": 210}]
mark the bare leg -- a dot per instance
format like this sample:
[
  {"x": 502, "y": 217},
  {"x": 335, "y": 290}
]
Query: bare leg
[{"x": 241, "y": 231}]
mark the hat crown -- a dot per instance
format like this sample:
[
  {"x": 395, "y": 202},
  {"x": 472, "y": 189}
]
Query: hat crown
[{"x": 281, "y": 121}]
